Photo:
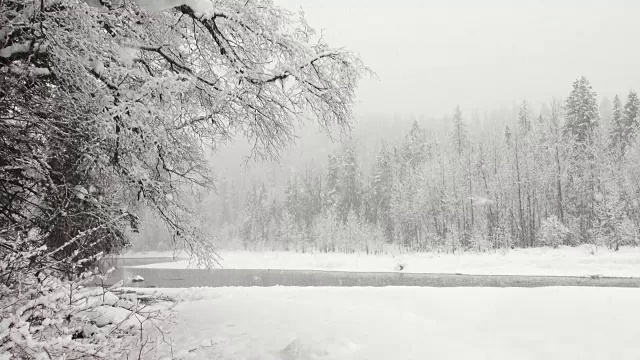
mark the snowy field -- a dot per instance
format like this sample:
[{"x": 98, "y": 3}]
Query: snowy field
[
  {"x": 578, "y": 261},
  {"x": 289, "y": 323}
]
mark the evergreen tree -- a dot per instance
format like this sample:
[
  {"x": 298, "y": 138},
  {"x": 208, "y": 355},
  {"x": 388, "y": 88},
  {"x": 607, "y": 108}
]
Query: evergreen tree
[
  {"x": 415, "y": 148},
  {"x": 581, "y": 110},
  {"x": 507, "y": 135},
  {"x": 582, "y": 117},
  {"x": 459, "y": 131},
  {"x": 524, "y": 118},
  {"x": 624, "y": 123},
  {"x": 618, "y": 128},
  {"x": 631, "y": 116}
]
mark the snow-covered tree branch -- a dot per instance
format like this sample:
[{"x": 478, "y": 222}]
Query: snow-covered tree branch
[{"x": 110, "y": 107}]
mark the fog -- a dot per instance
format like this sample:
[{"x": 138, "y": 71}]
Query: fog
[{"x": 432, "y": 55}]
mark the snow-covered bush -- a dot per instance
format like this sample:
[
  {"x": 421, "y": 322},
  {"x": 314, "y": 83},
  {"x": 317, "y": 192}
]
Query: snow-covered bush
[
  {"x": 356, "y": 235},
  {"x": 49, "y": 316},
  {"x": 552, "y": 232},
  {"x": 613, "y": 228},
  {"x": 479, "y": 243}
]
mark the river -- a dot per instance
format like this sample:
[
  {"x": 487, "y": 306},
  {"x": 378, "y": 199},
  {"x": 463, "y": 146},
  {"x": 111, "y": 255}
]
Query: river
[{"x": 177, "y": 278}]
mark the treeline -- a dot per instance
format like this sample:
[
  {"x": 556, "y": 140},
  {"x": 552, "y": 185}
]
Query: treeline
[{"x": 568, "y": 174}]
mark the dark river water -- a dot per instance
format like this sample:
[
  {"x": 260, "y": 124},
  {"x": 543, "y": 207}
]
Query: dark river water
[{"x": 173, "y": 278}]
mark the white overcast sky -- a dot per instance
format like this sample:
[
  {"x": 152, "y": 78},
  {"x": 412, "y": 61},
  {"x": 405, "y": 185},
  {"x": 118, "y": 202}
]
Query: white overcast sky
[{"x": 431, "y": 55}]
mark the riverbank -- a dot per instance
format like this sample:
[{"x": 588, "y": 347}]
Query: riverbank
[{"x": 564, "y": 261}]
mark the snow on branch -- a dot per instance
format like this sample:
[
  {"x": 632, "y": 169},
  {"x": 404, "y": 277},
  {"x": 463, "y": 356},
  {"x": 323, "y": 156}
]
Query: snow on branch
[
  {"x": 24, "y": 48},
  {"x": 29, "y": 71}
]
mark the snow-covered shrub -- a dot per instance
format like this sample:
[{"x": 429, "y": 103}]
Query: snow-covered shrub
[
  {"x": 614, "y": 233},
  {"x": 356, "y": 235},
  {"x": 552, "y": 232},
  {"x": 48, "y": 316},
  {"x": 613, "y": 227},
  {"x": 479, "y": 242}
]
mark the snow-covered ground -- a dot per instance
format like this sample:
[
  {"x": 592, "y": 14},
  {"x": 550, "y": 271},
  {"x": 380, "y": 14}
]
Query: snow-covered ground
[
  {"x": 154, "y": 254},
  {"x": 578, "y": 261},
  {"x": 288, "y": 323}
]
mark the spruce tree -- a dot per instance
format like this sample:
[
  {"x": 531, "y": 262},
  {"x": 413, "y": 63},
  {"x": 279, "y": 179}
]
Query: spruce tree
[
  {"x": 631, "y": 120},
  {"x": 507, "y": 135},
  {"x": 415, "y": 148},
  {"x": 459, "y": 131},
  {"x": 617, "y": 125},
  {"x": 581, "y": 110},
  {"x": 624, "y": 123},
  {"x": 524, "y": 118},
  {"x": 582, "y": 119}
]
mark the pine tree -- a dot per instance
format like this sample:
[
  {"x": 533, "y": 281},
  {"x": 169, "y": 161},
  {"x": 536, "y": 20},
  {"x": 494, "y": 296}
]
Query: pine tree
[
  {"x": 524, "y": 118},
  {"x": 507, "y": 136},
  {"x": 631, "y": 116},
  {"x": 618, "y": 128},
  {"x": 582, "y": 117},
  {"x": 459, "y": 131},
  {"x": 415, "y": 148},
  {"x": 581, "y": 110},
  {"x": 624, "y": 123}
]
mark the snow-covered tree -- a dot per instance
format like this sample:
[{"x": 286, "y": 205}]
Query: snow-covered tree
[
  {"x": 415, "y": 148},
  {"x": 108, "y": 107},
  {"x": 507, "y": 135},
  {"x": 501, "y": 191},
  {"x": 553, "y": 233},
  {"x": 632, "y": 116},
  {"x": 525, "y": 118},
  {"x": 618, "y": 128},
  {"x": 139, "y": 92},
  {"x": 459, "y": 134},
  {"x": 581, "y": 110}
]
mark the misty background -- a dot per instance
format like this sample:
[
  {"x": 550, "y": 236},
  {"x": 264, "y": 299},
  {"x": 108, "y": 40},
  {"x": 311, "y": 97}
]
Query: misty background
[{"x": 430, "y": 57}]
